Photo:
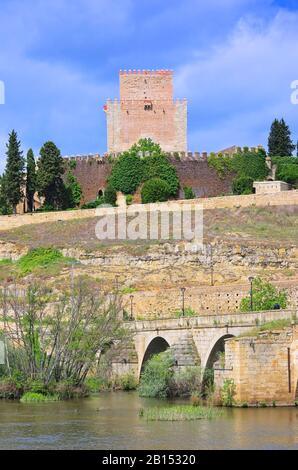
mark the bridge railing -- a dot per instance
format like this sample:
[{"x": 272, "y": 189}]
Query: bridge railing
[{"x": 231, "y": 319}]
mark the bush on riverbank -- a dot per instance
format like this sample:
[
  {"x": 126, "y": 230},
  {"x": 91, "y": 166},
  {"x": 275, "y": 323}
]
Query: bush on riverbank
[
  {"x": 180, "y": 413},
  {"x": 34, "y": 397},
  {"x": 156, "y": 377},
  {"x": 55, "y": 344},
  {"x": 161, "y": 379}
]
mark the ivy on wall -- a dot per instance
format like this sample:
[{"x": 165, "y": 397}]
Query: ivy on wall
[
  {"x": 145, "y": 161},
  {"x": 246, "y": 165}
]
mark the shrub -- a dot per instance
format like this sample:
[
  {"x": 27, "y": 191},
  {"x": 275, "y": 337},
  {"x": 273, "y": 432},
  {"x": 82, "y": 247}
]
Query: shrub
[
  {"x": 96, "y": 384},
  {"x": 110, "y": 195},
  {"x": 127, "y": 173},
  {"x": 144, "y": 161},
  {"x": 243, "y": 185},
  {"x": 129, "y": 199},
  {"x": 265, "y": 297},
  {"x": 93, "y": 204},
  {"x": 155, "y": 190},
  {"x": 156, "y": 377},
  {"x": 33, "y": 397},
  {"x": 10, "y": 388},
  {"x": 38, "y": 257},
  {"x": 73, "y": 191},
  {"x": 36, "y": 386},
  {"x": 196, "y": 399},
  {"x": 185, "y": 381},
  {"x": 158, "y": 166},
  {"x": 227, "y": 392},
  {"x": 128, "y": 382},
  {"x": 288, "y": 173},
  {"x": 188, "y": 193},
  {"x": 188, "y": 312}
]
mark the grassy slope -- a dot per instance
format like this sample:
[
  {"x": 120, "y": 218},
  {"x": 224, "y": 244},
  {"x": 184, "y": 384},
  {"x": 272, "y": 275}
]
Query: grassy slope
[{"x": 274, "y": 225}]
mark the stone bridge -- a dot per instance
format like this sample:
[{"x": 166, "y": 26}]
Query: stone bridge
[{"x": 193, "y": 340}]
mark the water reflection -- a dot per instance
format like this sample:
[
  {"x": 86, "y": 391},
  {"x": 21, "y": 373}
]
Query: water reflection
[{"x": 111, "y": 421}]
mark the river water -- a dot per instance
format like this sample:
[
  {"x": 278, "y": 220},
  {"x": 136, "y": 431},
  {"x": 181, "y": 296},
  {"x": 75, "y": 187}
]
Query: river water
[{"x": 110, "y": 421}]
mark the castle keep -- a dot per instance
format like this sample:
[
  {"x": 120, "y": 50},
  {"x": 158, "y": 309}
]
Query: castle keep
[{"x": 146, "y": 108}]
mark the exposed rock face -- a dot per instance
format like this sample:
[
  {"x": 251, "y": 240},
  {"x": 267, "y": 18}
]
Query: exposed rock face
[
  {"x": 154, "y": 274},
  {"x": 11, "y": 250}
]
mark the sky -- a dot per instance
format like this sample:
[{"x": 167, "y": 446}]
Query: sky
[{"x": 234, "y": 61}]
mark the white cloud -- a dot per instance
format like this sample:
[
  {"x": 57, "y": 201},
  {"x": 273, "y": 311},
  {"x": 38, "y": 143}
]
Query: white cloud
[{"x": 242, "y": 84}]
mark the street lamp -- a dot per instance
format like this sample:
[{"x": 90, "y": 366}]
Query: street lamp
[
  {"x": 251, "y": 280},
  {"x": 117, "y": 282},
  {"x": 131, "y": 307},
  {"x": 211, "y": 264},
  {"x": 183, "y": 289}
]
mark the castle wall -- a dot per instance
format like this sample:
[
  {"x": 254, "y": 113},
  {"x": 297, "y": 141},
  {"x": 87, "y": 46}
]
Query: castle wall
[
  {"x": 203, "y": 179},
  {"x": 92, "y": 173},
  {"x": 192, "y": 170}
]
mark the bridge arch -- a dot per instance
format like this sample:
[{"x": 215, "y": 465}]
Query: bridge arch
[
  {"x": 156, "y": 346},
  {"x": 217, "y": 347}
]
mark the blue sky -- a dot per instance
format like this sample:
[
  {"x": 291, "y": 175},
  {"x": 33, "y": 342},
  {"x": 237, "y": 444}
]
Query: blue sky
[{"x": 234, "y": 61}]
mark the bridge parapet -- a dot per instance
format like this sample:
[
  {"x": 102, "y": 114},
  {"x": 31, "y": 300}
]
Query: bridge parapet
[{"x": 212, "y": 321}]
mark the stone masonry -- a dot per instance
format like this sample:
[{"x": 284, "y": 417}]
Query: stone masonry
[
  {"x": 146, "y": 109},
  {"x": 264, "y": 367}
]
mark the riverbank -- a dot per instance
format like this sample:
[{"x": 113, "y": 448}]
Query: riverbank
[{"x": 111, "y": 421}]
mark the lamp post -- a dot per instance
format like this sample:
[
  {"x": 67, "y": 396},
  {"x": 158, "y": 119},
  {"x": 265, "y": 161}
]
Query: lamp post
[
  {"x": 117, "y": 282},
  {"x": 251, "y": 280},
  {"x": 211, "y": 264},
  {"x": 183, "y": 289},
  {"x": 131, "y": 307}
]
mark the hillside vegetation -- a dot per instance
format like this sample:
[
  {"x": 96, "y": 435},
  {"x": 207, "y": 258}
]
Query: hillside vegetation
[{"x": 274, "y": 225}]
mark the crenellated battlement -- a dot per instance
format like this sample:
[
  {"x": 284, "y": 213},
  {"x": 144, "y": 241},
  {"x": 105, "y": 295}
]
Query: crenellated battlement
[
  {"x": 175, "y": 156},
  {"x": 146, "y": 72},
  {"x": 117, "y": 101}
]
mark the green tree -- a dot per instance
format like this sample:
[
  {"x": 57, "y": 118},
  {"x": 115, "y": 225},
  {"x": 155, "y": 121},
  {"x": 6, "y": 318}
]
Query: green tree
[
  {"x": 14, "y": 171},
  {"x": 5, "y": 207},
  {"x": 143, "y": 161},
  {"x": 243, "y": 185},
  {"x": 279, "y": 141},
  {"x": 265, "y": 297},
  {"x": 73, "y": 191},
  {"x": 127, "y": 172},
  {"x": 288, "y": 173},
  {"x": 158, "y": 166},
  {"x": 146, "y": 145},
  {"x": 30, "y": 179},
  {"x": 155, "y": 190},
  {"x": 49, "y": 176},
  {"x": 110, "y": 195}
]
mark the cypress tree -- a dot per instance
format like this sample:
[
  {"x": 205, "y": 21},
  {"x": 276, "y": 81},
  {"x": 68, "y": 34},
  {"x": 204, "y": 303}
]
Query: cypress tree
[
  {"x": 279, "y": 141},
  {"x": 14, "y": 171},
  {"x": 30, "y": 180},
  {"x": 5, "y": 207},
  {"x": 49, "y": 176}
]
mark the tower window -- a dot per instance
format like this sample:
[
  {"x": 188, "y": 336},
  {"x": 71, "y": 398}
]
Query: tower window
[{"x": 148, "y": 107}]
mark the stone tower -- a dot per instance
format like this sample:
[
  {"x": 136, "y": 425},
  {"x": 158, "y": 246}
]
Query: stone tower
[{"x": 146, "y": 109}]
